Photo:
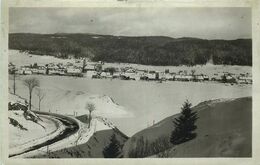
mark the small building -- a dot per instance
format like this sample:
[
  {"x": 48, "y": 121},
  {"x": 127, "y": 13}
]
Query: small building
[
  {"x": 104, "y": 74},
  {"x": 72, "y": 71},
  {"x": 91, "y": 73},
  {"x": 227, "y": 78},
  {"x": 27, "y": 72},
  {"x": 143, "y": 76},
  {"x": 151, "y": 75},
  {"x": 41, "y": 70},
  {"x": 53, "y": 72},
  {"x": 34, "y": 70},
  {"x": 169, "y": 76},
  {"x": 130, "y": 75},
  {"x": 61, "y": 72},
  {"x": 199, "y": 78},
  {"x": 161, "y": 76},
  {"x": 116, "y": 75},
  {"x": 188, "y": 77},
  {"x": 24, "y": 70},
  {"x": 90, "y": 68},
  {"x": 244, "y": 80},
  {"x": 216, "y": 77},
  {"x": 182, "y": 77},
  {"x": 206, "y": 78}
]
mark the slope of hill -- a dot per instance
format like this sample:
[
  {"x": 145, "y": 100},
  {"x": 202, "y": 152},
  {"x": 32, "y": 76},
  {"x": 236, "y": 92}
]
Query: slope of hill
[
  {"x": 93, "y": 148},
  {"x": 152, "y": 50},
  {"x": 23, "y": 131},
  {"x": 224, "y": 130}
]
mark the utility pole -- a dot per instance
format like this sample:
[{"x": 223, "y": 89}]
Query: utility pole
[{"x": 14, "y": 86}]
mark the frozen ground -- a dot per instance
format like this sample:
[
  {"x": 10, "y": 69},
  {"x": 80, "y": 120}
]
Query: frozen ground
[
  {"x": 33, "y": 134},
  {"x": 80, "y": 137},
  {"x": 62, "y": 100},
  {"x": 20, "y": 137},
  {"x": 26, "y": 135},
  {"x": 136, "y": 104},
  {"x": 36, "y": 133}
]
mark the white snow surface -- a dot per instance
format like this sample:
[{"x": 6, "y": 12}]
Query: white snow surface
[
  {"x": 20, "y": 140},
  {"x": 23, "y": 58},
  {"x": 81, "y": 137},
  {"x": 67, "y": 102}
]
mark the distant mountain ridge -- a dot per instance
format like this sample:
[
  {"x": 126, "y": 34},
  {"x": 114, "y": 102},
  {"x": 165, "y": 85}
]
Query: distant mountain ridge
[{"x": 147, "y": 50}]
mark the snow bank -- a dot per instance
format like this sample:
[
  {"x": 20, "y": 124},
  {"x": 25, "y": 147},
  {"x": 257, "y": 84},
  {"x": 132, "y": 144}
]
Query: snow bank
[{"x": 73, "y": 102}]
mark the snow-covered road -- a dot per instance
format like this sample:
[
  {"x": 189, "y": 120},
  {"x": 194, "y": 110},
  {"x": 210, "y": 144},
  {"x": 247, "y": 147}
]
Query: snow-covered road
[
  {"x": 66, "y": 127},
  {"x": 70, "y": 132}
]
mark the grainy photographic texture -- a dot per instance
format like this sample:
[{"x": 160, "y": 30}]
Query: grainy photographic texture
[{"x": 130, "y": 82}]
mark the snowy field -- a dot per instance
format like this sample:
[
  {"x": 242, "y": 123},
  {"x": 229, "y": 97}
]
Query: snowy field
[
  {"x": 131, "y": 105},
  {"x": 136, "y": 104}
]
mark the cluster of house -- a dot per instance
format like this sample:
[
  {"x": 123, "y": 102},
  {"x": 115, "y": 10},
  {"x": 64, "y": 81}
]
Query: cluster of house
[
  {"x": 68, "y": 69},
  {"x": 150, "y": 75},
  {"x": 95, "y": 70}
]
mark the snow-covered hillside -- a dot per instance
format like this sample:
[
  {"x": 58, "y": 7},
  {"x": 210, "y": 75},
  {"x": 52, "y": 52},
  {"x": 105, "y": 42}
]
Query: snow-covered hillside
[
  {"x": 41, "y": 127},
  {"x": 31, "y": 130},
  {"x": 67, "y": 102}
]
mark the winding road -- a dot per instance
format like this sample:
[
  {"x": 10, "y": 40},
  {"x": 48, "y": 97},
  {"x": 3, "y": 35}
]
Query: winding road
[{"x": 71, "y": 127}]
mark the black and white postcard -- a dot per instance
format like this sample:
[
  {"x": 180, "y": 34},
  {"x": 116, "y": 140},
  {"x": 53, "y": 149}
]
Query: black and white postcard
[{"x": 129, "y": 81}]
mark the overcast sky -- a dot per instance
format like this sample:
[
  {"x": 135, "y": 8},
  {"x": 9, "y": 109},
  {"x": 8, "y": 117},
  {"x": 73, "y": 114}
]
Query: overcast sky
[{"x": 207, "y": 23}]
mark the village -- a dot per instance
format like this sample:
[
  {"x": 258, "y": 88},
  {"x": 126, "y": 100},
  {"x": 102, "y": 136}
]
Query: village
[{"x": 95, "y": 70}]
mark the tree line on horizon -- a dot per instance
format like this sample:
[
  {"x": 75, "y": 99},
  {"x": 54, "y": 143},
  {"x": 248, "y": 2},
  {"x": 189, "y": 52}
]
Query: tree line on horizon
[{"x": 140, "y": 50}]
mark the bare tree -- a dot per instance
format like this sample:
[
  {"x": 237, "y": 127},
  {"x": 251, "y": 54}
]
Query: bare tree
[
  {"x": 90, "y": 107},
  {"x": 31, "y": 83},
  {"x": 40, "y": 94}
]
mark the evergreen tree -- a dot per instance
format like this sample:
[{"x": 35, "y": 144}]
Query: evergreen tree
[
  {"x": 113, "y": 150},
  {"x": 184, "y": 125}
]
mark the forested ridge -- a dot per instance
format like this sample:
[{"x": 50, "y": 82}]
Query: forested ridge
[{"x": 147, "y": 50}]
